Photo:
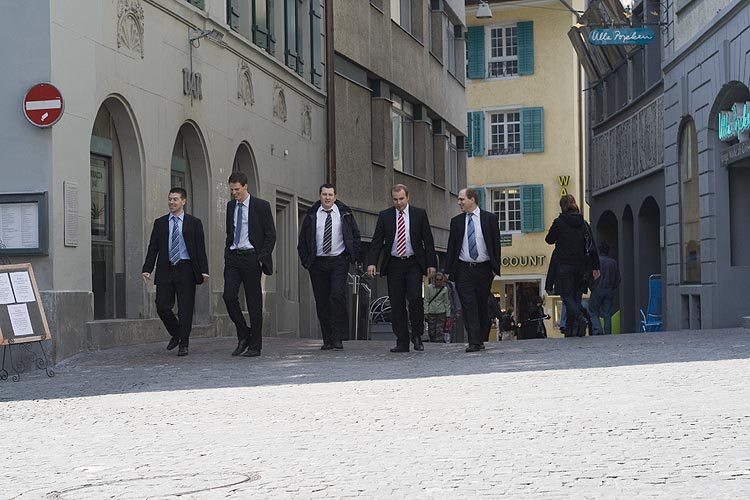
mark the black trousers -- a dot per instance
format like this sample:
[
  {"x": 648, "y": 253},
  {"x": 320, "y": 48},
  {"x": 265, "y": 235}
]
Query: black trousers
[
  {"x": 329, "y": 276},
  {"x": 244, "y": 269},
  {"x": 473, "y": 284},
  {"x": 181, "y": 283},
  {"x": 405, "y": 282}
]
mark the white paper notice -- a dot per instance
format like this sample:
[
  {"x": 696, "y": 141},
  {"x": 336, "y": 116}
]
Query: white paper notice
[
  {"x": 19, "y": 320},
  {"x": 6, "y": 291},
  {"x": 19, "y": 225},
  {"x": 22, "y": 287}
]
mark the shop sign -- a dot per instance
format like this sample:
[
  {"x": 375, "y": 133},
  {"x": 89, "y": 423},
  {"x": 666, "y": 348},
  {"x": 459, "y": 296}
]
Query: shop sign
[
  {"x": 563, "y": 180},
  {"x": 506, "y": 239},
  {"x": 736, "y": 152},
  {"x": 192, "y": 84},
  {"x": 523, "y": 261},
  {"x": 621, "y": 36},
  {"x": 735, "y": 123}
]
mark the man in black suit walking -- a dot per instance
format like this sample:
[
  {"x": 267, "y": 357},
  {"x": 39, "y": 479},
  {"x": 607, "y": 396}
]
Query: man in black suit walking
[
  {"x": 404, "y": 237},
  {"x": 251, "y": 236},
  {"x": 473, "y": 256},
  {"x": 328, "y": 243},
  {"x": 178, "y": 249}
]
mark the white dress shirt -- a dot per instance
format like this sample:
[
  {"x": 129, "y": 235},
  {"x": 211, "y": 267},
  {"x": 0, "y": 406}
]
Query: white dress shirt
[
  {"x": 184, "y": 255},
  {"x": 244, "y": 237},
  {"x": 483, "y": 256},
  {"x": 337, "y": 235},
  {"x": 409, "y": 248}
]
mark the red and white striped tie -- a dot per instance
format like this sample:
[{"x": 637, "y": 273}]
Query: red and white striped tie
[{"x": 401, "y": 231}]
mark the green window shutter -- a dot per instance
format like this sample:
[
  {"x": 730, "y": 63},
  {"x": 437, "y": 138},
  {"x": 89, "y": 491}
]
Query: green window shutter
[
  {"x": 198, "y": 3},
  {"x": 233, "y": 14},
  {"x": 477, "y": 133},
  {"x": 475, "y": 40},
  {"x": 316, "y": 60},
  {"x": 271, "y": 45},
  {"x": 469, "y": 139},
  {"x": 532, "y": 208},
  {"x": 525, "y": 32},
  {"x": 532, "y": 130},
  {"x": 482, "y": 195}
]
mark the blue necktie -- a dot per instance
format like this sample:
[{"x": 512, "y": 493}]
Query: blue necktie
[
  {"x": 174, "y": 250},
  {"x": 238, "y": 225},
  {"x": 473, "y": 252}
]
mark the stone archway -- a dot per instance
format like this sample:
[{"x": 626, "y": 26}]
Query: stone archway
[
  {"x": 649, "y": 249},
  {"x": 627, "y": 268},
  {"x": 244, "y": 161}
]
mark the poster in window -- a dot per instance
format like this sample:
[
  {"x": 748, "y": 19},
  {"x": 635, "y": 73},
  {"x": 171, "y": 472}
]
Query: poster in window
[{"x": 99, "y": 197}]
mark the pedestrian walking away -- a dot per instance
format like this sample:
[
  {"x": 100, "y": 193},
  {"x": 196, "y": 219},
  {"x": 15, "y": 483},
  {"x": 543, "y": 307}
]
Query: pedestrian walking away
[
  {"x": 328, "y": 243},
  {"x": 251, "y": 236},
  {"x": 472, "y": 258},
  {"x": 603, "y": 290},
  {"x": 437, "y": 307},
  {"x": 177, "y": 247},
  {"x": 404, "y": 238}
]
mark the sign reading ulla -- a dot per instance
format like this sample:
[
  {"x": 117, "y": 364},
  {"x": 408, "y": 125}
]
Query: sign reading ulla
[
  {"x": 735, "y": 123},
  {"x": 621, "y": 36}
]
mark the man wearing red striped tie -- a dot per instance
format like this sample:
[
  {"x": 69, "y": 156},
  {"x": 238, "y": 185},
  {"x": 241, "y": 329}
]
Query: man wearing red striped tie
[{"x": 404, "y": 237}]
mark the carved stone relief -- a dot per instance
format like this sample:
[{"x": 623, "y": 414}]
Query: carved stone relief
[
  {"x": 307, "y": 121},
  {"x": 130, "y": 25},
  {"x": 279, "y": 102},
  {"x": 245, "y": 84}
]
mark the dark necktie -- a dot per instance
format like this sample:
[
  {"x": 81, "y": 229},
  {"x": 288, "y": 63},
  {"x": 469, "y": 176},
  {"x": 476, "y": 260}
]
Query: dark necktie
[
  {"x": 471, "y": 235},
  {"x": 238, "y": 225},
  {"x": 328, "y": 232},
  {"x": 174, "y": 250}
]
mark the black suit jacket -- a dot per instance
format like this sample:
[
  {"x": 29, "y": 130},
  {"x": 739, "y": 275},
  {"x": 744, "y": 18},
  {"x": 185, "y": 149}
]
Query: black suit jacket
[
  {"x": 262, "y": 231},
  {"x": 419, "y": 231},
  {"x": 490, "y": 232},
  {"x": 158, "y": 248}
]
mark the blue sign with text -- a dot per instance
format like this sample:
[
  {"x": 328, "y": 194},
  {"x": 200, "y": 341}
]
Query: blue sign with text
[{"x": 621, "y": 36}]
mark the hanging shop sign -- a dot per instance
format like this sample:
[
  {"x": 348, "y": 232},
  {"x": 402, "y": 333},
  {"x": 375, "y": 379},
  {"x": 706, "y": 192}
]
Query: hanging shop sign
[
  {"x": 735, "y": 153},
  {"x": 622, "y": 36},
  {"x": 563, "y": 180},
  {"x": 735, "y": 123},
  {"x": 522, "y": 261}
]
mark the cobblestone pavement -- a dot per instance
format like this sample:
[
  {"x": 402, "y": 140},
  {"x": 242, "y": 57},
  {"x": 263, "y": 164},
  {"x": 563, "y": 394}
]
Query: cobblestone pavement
[{"x": 628, "y": 416}]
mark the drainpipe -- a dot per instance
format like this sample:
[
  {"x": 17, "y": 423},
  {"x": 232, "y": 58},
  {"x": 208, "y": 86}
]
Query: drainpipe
[{"x": 330, "y": 101}]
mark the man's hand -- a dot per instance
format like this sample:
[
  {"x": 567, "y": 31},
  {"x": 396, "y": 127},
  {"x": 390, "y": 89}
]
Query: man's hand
[
  {"x": 431, "y": 272},
  {"x": 146, "y": 277},
  {"x": 596, "y": 273},
  {"x": 372, "y": 271},
  {"x": 205, "y": 277}
]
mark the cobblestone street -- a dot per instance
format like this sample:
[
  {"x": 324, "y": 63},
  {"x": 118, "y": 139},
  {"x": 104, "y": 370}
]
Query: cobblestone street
[{"x": 628, "y": 416}]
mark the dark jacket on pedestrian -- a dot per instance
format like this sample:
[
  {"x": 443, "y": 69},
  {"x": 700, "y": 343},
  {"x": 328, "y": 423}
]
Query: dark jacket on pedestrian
[
  {"x": 610, "y": 273},
  {"x": 307, "y": 245},
  {"x": 568, "y": 235}
]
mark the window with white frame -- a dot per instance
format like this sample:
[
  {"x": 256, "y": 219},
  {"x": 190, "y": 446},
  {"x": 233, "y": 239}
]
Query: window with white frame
[
  {"x": 503, "y": 52},
  {"x": 505, "y": 133},
  {"x": 451, "y": 56},
  {"x": 401, "y": 13},
  {"x": 402, "y": 127},
  {"x": 506, "y": 204},
  {"x": 453, "y": 164}
]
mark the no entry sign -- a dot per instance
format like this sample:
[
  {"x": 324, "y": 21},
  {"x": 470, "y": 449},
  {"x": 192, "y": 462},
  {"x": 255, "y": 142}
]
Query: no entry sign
[{"x": 43, "y": 105}]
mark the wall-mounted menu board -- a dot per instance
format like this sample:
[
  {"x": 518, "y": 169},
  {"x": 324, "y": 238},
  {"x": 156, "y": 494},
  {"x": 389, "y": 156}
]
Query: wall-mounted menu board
[
  {"x": 23, "y": 223},
  {"x": 22, "y": 316}
]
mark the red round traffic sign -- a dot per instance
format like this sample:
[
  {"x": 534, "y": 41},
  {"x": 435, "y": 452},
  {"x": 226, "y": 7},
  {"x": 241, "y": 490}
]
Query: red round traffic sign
[{"x": 43, "y": 105}]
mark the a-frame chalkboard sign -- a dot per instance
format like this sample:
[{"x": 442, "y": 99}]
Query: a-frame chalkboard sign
[{"x": 22, "y": 320}]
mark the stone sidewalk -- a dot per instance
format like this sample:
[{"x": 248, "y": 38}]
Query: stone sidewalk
[{"x": 628, "y": 416}]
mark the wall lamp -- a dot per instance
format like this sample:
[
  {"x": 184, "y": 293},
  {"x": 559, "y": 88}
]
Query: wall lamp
[
  {"x": 195, "y": 35},
  {"x": 484, "y": 11}
]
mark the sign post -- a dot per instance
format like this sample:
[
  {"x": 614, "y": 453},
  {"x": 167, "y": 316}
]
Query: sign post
[{"x": 43, "y": 105}]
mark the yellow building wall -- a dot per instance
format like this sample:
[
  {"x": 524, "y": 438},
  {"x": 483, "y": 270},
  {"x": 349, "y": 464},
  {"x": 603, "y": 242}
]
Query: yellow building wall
[{"x": 555, "y": 86}]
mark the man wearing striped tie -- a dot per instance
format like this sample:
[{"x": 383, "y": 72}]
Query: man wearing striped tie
[
  {"x": 472, "y": 259},
  {"x": 178, "y": 249},
  {"x": 404, "y": 237},
  {"x": 328, "y": 243}
]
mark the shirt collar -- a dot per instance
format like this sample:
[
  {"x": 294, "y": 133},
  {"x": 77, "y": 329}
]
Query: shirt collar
[
  {"x": 246, "y": 202},
  {"x": 406, "y": 210},
  {"x": 334, "y": 209},
  {"x": 476, "y": 212},
  {"x": 181, "y": 216}
]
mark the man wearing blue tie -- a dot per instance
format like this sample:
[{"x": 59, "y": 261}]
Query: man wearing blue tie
[
  {"x": 178, "y": 249},
  {"x": 472, "y": 259}
]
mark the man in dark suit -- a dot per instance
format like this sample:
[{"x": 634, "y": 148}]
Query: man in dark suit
[
  {"x": 328, "y": 243},
  {"x": 403, "y": 235},
  {"x": 251, "y": 236},
  {"x": 473, "y": 256},
  {"x": 178, "y": 249}
]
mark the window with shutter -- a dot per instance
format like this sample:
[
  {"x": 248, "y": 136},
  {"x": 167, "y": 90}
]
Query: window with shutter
[
  {"x": 263, "y": 24},
  {"x": 293, "y": 35},
  {"x": 475, "y": 51},
  {"x": 477, "y": 133},
  {"x": 233, "y": 14},
  {"x": 526, "y": 48},
  {"x": 532, "y": 208},
  {"x": 506, "y": 204},
  {"x": 481, "y": 197},
  {"x": 532, "y": 130},
  {"x": 198, "y": 3},
  {"x": 316, "y": 55}
]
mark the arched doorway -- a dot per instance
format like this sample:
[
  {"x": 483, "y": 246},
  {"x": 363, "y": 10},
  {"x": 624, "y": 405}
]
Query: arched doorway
[
  {"x": 627, "y": 267},
  {"x": 649, "y": 249},
  {"x": 116, "y": 188},
  {"x": 607, "y": 231},
  {"x": 244, "y": 161}
]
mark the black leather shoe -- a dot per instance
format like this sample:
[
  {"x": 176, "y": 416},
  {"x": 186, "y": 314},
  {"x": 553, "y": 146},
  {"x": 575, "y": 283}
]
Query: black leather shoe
[
  {"x": 481, "y": 346},
  {"x": 241, "y": 346},
  {"x": 418, "y": 345},
  {"x": 399, "y": 348},
  {"x": 326, "y": 347},
  {"x": 473, "y": 348},
  {"x": 251, "y": 353},
  {"x": 183, "y": 351},
  {"x": 338, "y": 345},
  {"x": 173, "y": 343}
]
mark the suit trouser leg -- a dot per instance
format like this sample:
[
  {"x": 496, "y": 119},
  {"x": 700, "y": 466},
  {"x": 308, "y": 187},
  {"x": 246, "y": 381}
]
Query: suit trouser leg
[
  {"x": 185, "y": 288},
  {"x": 232, "y": 281},
  {"x": 321, "y": 285},
  {"x": 473, "y": 285},
  {"x": 396, "y": 275},
  {"x": 416, "y": 302},
  {"x": 339, "y": 315},
  {"x": 165, "y": 297}
]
